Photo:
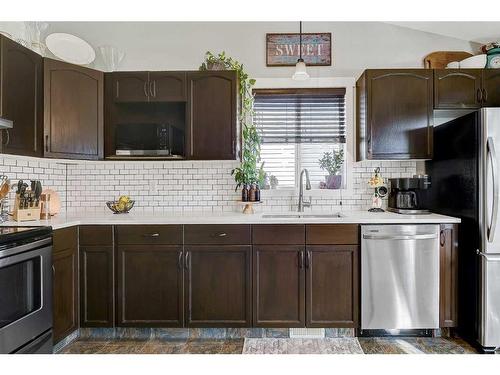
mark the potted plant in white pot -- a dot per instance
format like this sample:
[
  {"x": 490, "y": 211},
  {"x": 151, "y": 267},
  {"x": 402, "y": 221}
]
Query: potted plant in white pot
[{"x": 332, "y": 162}]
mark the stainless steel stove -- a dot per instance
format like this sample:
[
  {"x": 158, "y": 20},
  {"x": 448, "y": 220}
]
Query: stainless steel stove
[{"x": 25, "y": 290}]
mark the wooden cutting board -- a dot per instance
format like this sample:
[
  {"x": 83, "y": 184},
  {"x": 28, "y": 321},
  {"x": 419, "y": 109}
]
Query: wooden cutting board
[
  {"x": 439, "y": 59},
  {"x": 55, "y": 201}
]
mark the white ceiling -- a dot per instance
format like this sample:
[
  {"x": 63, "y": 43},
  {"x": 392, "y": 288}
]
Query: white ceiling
[{"x": 479, "y": 32}]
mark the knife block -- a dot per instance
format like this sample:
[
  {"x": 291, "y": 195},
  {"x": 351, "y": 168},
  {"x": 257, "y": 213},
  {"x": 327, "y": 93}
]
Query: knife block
[{"x": 25, "y": 214}]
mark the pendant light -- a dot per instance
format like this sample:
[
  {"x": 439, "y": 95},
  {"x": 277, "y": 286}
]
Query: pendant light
[{"x": 300, "y": 68}]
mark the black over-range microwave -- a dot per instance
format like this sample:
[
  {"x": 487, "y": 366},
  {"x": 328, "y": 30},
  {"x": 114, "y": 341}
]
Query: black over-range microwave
[{"x": 163, "y": 140}]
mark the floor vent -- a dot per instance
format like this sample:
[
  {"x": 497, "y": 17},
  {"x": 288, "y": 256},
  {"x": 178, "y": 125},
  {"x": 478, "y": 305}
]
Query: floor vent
[{"x": 307, "y": 333}]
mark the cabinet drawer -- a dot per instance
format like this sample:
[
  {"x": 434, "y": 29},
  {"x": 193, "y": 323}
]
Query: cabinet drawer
[
  {"x": 278, "y": 234},
  {"x": 217, "y": 234},
  {"x": 91, "y": 235},
  {"x": 65, "y": 238},
  {"x": 149, "y": 234},
  {"x": 332, "y": 234}
]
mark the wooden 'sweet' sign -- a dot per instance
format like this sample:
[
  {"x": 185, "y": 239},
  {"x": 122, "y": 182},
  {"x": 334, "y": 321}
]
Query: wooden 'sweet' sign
[{"x": 283, "y": 49}]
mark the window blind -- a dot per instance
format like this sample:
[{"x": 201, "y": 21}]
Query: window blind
[{"x": 301, "y": 116}]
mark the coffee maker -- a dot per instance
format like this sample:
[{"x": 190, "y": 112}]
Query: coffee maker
[{"x": 406, "y": 195}]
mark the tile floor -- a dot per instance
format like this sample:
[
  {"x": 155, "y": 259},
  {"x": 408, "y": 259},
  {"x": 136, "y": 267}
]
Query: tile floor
[{"x": 360, "y": 345}]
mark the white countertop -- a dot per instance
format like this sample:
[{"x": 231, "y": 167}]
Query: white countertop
[{"x": 348, "y": 217}]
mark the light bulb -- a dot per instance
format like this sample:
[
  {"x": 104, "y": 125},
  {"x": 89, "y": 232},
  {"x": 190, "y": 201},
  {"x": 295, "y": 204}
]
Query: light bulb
[{"x": 300, "y": 71}]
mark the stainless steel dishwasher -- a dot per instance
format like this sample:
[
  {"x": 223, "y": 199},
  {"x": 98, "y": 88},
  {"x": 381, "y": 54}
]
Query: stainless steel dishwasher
[{"x": 400, "y": 277}]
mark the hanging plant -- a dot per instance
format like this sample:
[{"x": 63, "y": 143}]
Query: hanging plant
[{"x": 251, "y": 170}]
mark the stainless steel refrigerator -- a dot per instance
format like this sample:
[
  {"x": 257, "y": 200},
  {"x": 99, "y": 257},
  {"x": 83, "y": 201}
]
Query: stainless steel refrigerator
[{"x": 466, "y": 183}]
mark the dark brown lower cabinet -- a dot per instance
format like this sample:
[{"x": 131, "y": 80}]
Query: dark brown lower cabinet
[
  {"x": 279, "y": 286},
  {"x": 332, "y": 283},
  {"x": 448, "y": 294},
  {"x": 149, "y": 286},
  {"x": 218, "y": 286},
  {"x": 65, "y": 283},
  {"x": 96, "y": 286}
]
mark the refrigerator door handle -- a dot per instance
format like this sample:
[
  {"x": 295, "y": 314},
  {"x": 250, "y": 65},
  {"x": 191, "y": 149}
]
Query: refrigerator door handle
[
  {"x": 490, "y": 147},
  {"x": 489, "y": 257}
]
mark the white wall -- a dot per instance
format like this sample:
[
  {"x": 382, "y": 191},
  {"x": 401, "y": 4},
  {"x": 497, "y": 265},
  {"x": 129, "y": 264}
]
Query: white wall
[{"x": 181, "y": 45}]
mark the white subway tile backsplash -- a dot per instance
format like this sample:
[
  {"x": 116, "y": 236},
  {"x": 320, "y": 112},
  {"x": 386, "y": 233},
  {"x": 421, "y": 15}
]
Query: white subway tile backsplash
[{"x": 182, "y": 185}]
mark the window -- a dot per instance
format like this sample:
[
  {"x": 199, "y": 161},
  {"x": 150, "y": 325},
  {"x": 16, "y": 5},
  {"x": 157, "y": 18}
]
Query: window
[{"x": 297, "y": 127}]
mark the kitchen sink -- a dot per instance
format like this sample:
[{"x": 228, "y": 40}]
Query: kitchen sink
[{"x": 299, "y": 215}]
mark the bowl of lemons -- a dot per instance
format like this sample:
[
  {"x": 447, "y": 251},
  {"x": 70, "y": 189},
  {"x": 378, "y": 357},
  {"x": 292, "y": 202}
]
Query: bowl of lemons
[{"x": 122, "y": 206}]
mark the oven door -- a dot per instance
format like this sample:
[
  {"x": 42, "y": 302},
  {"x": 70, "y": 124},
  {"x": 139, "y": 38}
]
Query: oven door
[{"x": 25, "y": 294}]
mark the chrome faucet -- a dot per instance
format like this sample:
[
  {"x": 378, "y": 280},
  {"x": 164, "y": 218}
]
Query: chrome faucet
[{"x": 302, "y": 203}]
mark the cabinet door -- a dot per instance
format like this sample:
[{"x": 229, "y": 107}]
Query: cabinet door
[
  {"x": 73, "y": 119},
  {"x": 149, "y": 282},
  {"x": 399, "y": 107},
  {"x": 457, "y": 88},
  {"x": 65, "y": 283},
  {"x": 167, "y": 87},
  {"x": 448, "y": 275},
  {"x": 491, "y": 87},
  {"x": 332, "y": 286},
  {"x": 96, "y": 286},
  {"x": 218, "y": 286},
  {"x": 21, "y": 95},
  {"x": 279, "y": 286},
  {"x": 130, "y": 87},
  {"x": 212, "y": 115}
]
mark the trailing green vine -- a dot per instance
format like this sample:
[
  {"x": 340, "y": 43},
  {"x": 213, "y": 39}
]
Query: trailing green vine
[{"x": 249, "y": 171}]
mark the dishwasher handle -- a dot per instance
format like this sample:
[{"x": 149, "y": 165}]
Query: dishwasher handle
[{"x": 430, "y": 236}]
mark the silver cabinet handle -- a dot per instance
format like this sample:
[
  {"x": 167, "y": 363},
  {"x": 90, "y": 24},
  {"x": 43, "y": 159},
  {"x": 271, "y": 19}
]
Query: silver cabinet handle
[
  {"x": 220, "y": 234},
  {"x": 186, "y": 261},
  {"x": 151, "y": 92},
  {"x": 7, "y": 137},
  {"x": 402, "y": 237},
  {"x": 145, "y": 89},
  {"x": 179, "y": 260},
  {"x": 153, "y": 235},
  {"x": 490, "y": 149},
  {"x": 154, "y": 88},
  {"x": 301, "y": 259}
]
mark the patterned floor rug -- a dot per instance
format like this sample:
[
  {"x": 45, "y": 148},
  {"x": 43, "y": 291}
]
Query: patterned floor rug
[{"x": 302, "y": 346}]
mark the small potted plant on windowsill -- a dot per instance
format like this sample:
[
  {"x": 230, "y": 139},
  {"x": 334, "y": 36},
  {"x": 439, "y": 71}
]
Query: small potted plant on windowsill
[{"x": 332, "y": 162}]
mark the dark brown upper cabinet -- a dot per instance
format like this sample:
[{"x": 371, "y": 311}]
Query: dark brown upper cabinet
[
  {"x": 141, "y": 87},
  {"x": 394, "y": 114},
  {"x": 457, "y": 88},
  {"x": 212, "y": 115},
  {"x": 167, "y": 87},
  {"x": 73, "y": 118},
  {"x": 218, "y": 285},
  {"x": 491, "y": 88},
  {"x": 130, "y": 87},
  {"x": 65, "y": 282},
  {"x": 21, "y": 98}
]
